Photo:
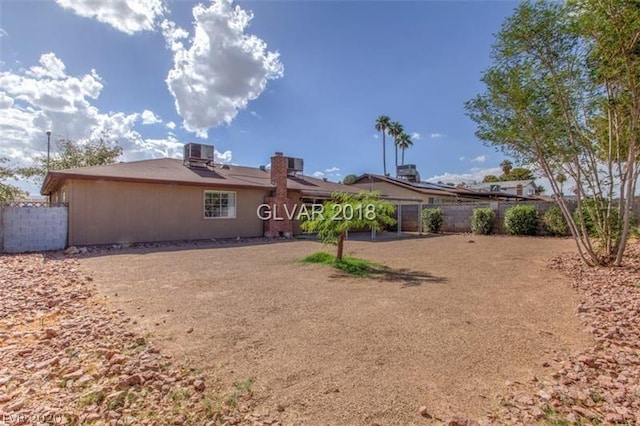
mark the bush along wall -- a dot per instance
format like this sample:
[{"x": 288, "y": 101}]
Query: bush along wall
[
  {"x": 482, "y": 220},
  {"x": 521, "y": 220},
  {"x": 432, "y": 220},
  {"x": 554, "y": 222}
]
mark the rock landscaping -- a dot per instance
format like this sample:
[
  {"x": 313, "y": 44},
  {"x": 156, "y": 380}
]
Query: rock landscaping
[
  {"x": 68, "y": 358},
  {"x": 602, "y": 383}
]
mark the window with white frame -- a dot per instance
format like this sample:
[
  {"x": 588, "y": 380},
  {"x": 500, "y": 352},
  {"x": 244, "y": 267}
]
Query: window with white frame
[{"x": 219, "y": 204}]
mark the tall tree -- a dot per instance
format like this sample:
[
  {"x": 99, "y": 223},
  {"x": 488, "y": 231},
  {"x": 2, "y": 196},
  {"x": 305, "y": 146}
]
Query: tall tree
[
  {"x": 395, "y": 129},
  {"x": 561, "y": 179},
  {"x": 382, "y": 123},
  {"x": 8, "y": 192},
  {"x": 563, "y": 93},
  {"x": 506, "y": 166},
  {"x": 404, "y": 141},
  {"x": 70, "y": 155}
]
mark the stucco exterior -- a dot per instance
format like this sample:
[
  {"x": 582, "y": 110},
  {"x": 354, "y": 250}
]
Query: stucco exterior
[{"x": 106, "y": 212}]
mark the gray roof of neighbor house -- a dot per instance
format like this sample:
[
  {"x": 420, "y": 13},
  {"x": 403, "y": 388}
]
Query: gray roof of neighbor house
[
  {"x": 172, "y": 171},
  {"x": 436, "y": 188}
]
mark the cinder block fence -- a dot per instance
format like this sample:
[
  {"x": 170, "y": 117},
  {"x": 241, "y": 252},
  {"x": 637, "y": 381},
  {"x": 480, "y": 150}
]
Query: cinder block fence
[
  {"x": 28, "y": 227},
  {"x": 457, "y": 217}
]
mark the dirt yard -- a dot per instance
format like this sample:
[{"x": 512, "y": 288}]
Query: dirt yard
[{"x": 457, "y": 319}]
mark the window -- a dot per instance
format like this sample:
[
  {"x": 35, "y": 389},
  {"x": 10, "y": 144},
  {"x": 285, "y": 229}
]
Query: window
[{"x": 219, "y": 204}]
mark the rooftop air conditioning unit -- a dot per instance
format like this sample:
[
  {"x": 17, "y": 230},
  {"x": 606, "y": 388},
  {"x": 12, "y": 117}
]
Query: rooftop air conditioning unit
[
  {"x": 294, "y": 165},
  {"x": 196, "y": 154},
  {"x": 409, "y": 172}
]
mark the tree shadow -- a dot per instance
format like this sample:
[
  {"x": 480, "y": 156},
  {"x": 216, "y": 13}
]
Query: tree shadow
[{"x": 405, "y": 277}]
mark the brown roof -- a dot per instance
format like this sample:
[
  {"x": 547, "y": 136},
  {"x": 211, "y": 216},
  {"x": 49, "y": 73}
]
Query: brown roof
[
  {"x": 437, "y": 189},
  {"x": 172, "y": 171}
]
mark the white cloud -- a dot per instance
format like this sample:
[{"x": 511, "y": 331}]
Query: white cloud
[
  {"x": 171, "y": 125},
  {"x": 5, "y": 101},
  {"x": 44, "y": 97},
  {"x": 128, "y": 16},
  {"x": 222, "y": 157},
  {"x": 416, "y": 136},
  {"x": 375, "y": 136},
  {"x": 474, "y": 175},
  {"x": 52, "y": 67},
  {"x": 255, "y": 114},
  {"x": 479, "y": 159},
  {"x": 3, "y": 33},
  {"x": 318, "y": 175},
  {"x": 462, "y": 158},
  {"x": 222, "y": 70},
  {"x": 332, "y": 170},
  {"x": 437, "y": 135},
  {"x": 148, "y": 117}
]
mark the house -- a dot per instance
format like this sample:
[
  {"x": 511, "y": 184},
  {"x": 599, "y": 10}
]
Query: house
[
  {"x": 526, "y": 188},
  {"x": 191, "y": 199},
  {"x": 409, "y": 189}
]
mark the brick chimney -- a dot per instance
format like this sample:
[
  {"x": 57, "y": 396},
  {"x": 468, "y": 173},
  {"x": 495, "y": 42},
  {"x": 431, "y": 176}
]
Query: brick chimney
[{"x": 279, "y": 225}]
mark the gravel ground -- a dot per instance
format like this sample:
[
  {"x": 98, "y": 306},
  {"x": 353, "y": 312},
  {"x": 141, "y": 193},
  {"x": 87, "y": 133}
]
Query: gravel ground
[
  {"x": 67, "y": 357},
  {"x": 176, "y": 335},
  {"x": 457, "y": 320}
]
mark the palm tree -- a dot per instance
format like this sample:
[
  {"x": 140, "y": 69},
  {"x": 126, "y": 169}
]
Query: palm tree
[
  {"x": 382, "y": 123},
  {"x": 506, "y": 167},
  {"x": 561, "y": 180},
  {"x": 403, "y": 141},
  {"x": 395, "y": 129}
]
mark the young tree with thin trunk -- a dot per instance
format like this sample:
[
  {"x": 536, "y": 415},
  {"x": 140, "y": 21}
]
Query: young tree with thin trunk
[
  {"x": 563, "y": 93},
  {"x": 349, "y": 211}
]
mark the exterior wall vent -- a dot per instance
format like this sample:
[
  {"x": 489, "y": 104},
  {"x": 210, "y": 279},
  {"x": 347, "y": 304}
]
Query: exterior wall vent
[{"x": 198, "y": 155}]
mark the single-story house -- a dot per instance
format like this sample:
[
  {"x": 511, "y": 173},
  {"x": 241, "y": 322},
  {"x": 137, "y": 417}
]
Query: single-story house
[
  {"x": 425, "y": 192},
  {"x": 525, "y": 188},
  {"x": 191, "y": 199}
]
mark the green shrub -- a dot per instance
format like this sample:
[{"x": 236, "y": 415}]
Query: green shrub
[
  {"x": 521, "y": 220},
  {"x": 432, "y": 220},
  {"x": 554, "y": 222},
  {"x": 482, "y": 221}
]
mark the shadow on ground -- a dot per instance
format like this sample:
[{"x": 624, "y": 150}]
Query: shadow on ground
[{"x": 406, "y": 277}]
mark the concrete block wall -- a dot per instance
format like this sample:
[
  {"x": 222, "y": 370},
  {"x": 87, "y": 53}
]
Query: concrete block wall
[
  {"x": 457, "y": 217},
  {"x": 26, "y": 229}
]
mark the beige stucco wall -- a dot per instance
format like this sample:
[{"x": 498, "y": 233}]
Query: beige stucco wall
[
  {"x": 391, "y": 190},
  {"x": 106, "y": 212}
]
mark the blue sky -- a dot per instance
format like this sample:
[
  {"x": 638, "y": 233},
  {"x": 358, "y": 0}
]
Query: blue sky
[{"x": 307, "y": 78}]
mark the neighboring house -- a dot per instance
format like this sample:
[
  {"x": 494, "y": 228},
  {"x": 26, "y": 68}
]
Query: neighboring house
[
  {"x": 525, "y": 188},
  {"x": 171, "y": 199},
  {"x": 422, "y": 192}
]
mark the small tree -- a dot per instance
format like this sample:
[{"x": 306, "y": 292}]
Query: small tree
[
  {"x": 346, "y": 211},
  {"x": 349, "y": 179},
  {"x": 70, "y": 155},
  {"x": 8, "y": 192}
]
